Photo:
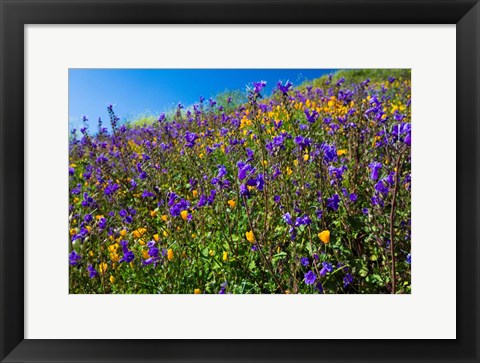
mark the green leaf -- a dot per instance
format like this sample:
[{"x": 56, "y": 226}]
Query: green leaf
[{"x": 279, "y": 255}]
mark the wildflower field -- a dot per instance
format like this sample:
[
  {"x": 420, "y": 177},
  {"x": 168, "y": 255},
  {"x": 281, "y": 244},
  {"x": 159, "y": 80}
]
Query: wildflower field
[{"x": 305, "y": 190}]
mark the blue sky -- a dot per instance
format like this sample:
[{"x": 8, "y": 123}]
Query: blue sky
[{"x": 136, "y": 92}]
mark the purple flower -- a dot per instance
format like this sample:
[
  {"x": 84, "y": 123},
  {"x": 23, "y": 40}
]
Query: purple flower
[
  {"x": 337, "y": 173},
  {"x": 133, "y": 184},
  {"x": 128, "y": 255},
  {"x": 244, "y": 170},
  {"x": 409, "y": 259},
  {"x": 329, "y": 153},
  {"x": 302, "y": 142},
  {"x": 310, "y": 277},
  {"x": 223, "y": 287},
  {"x": 88, "y": 218},
  {"x": 178, "y": 207},
  {"x": 258, "y": 86},
  {"x": 311, "y": 117},
  {"x": 333, "y": 202},
  {"x": 347, "y": 280},
  {"x": 211, "y": 197},
  {"x": 287, "y": 218},
  {"x": 147, "y": 194},
  {"x": 92, "y": 272},
  {"x": 222, "y": 171},
  {"x": 382, "y": 186},
  {"x": 408, "y": 139},
  {"x": 353, "y": 197},
  {"x": 244, "y": 191},
  {"x": 74, "y": 258},
  {"x": 102, "y": 223},
  {"x": 303, "y": 221},
  {"x": 293, "y": 233},
  {"x": 284, "y": 88},
  {"x": 202, "y": 201},
  {"x": 77, "y": 190},
  {"x": 172, "y": 197},
  {"x": 327, "y": 267},
  {"x": 190, "y": 139},
  {"x": 375, "y": 168},
  {"x": 153, "y": 251},
  {"x": 304, "y": 261},
  {"x": 376, "y": 200}
]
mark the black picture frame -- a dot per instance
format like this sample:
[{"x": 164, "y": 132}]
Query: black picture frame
[{"x": 15, "y": 14}]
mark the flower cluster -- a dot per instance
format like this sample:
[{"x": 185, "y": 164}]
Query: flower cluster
[{"x": 304, "y": 191}]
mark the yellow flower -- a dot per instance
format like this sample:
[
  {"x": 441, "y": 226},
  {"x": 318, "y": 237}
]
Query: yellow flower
[
  {"x": 139, "y": 232},
  {"x": 123, "y": 232},
  {"x": 324, "y": 236},
  {"x": 164, "y": 218},
  {"x": 102, "y": 267},
  {"x": 184, "y": 214},
  {"x": 197, "y": 291},
  {"x": 145, "y": 254},
  {"x": 114, "y": 257},
  {"x": 232, "y": 203},
  {"x": 89, "y": 229},
  {"x": 155, "y": 237},
  {"x": 225, "y": 256},
  {"x": 153, "y": 213},
  {"x": 289, "y": 171},
  {"x": 295, "y": 162},
  {"x": 73, "y": 231},
  {"x": 341, "y": 152},
  {"x": 142, "y": 242},
  {"x": 170, "y": 254},
  {"x": 90, "y": 253},
  {"x": 211, "y": 253},
  {"x": 165, "y": 233},
  {"x": 250, "y": 237},
  {"x": 305, "y": 157},
  {"x": 99, "y": 217},
  {"x": 112, "y": 279},
  {"x": 195, "y": 193}
]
